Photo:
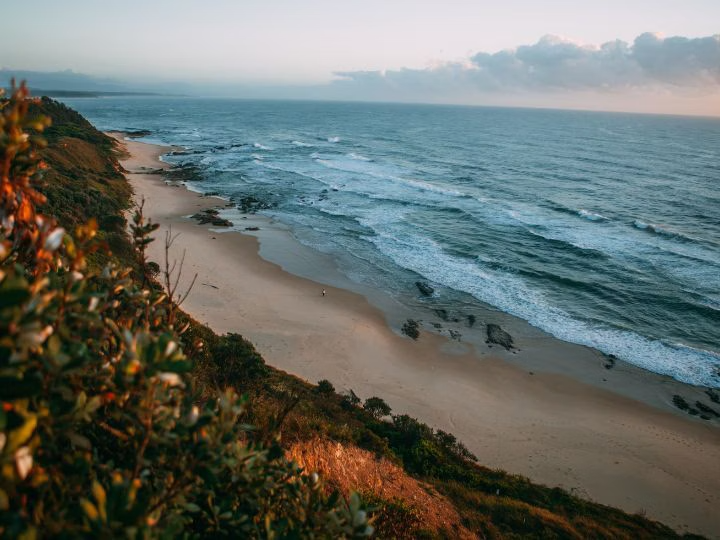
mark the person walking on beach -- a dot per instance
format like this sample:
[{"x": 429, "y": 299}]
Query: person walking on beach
[{"x": 323, "y": 293}]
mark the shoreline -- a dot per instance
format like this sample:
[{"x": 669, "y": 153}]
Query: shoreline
[{"x": 528, "y": 413}]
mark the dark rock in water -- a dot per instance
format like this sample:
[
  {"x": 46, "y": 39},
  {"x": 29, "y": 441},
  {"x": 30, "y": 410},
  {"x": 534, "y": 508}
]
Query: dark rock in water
[
  {"x": 250, "y": 204},
  {"x": 252, "y": 228},
  {"x": 136, "y": 133},
  {"x": 471, "y": 320},
  {"x": 443, "y": 314},
  {"x": 211, "y": 217},
  {"x": 611, "y": 358},
  {"x": 424, "y": 288},
  {"x": 411, "y": 328},
  {"x": 182, "y": 173},
  {"x": 497, "y": 335},
  {"x": 221, "y": 222}
]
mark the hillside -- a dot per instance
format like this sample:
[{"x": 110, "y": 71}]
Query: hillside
[{"x": 415, "y": 481}]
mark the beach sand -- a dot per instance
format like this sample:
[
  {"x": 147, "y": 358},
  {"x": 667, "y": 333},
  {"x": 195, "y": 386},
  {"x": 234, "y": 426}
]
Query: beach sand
[{"x": 558, "y": 426}]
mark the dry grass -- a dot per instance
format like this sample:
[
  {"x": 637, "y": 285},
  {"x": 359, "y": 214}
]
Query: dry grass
[{"x": 350, "y": 468}]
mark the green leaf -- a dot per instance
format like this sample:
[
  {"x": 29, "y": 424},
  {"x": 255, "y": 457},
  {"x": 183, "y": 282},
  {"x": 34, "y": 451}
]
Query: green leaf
[{"x": 192, "y": 507}]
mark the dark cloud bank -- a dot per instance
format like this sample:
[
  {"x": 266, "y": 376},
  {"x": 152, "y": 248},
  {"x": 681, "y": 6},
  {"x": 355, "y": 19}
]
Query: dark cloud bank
[
  {"x": 674, "y": 65},
  {"x": 653, "y": 74}
]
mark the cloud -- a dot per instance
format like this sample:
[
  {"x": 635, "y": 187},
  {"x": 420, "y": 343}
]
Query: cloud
[{"x": 651, "y": 62}]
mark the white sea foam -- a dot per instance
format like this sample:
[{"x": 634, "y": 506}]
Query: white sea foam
[
  {"x": 512, "y": 295},
  {"x": 302, "y": 144},
  {"x": 261, "y": 146},
  {"x": 359, "y": 157},
  {"x": 591, "y": 216},
  {"x": 378, "y": 171},
  {"x": 333, "y": 139},
  {"x": 428, "y": 186}
]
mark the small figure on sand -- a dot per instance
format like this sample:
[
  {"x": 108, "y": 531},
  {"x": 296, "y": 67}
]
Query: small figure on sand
[{"x": 323, "y": 293}]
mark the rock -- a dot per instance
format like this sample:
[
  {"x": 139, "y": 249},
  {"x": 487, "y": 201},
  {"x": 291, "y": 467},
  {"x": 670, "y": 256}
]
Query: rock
[
  {"x": 611, "y": 358},
  {"x": 411, "y": 328},
  {"x": 252, "y": 228},
  {"x": 211, "y": 217},
  {"x": 443, "y": 314},
  {"x": 136, "y": 133},
  {"x": 424, "y": 288},
  {"x": 497, "y": 335}
]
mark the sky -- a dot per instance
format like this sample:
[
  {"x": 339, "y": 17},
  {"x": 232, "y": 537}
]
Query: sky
[{"x": 646, "y": 55}]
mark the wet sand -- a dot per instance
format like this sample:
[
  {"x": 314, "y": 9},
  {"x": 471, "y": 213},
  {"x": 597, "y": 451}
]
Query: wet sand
[{"x": 608, "y": 435}]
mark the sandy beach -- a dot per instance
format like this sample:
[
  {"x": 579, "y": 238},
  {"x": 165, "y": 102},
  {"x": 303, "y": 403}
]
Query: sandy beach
[{"x": 612, "y": 436}]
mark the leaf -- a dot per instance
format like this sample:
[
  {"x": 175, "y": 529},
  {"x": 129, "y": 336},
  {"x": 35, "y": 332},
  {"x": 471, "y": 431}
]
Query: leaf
[
  {"x": 79, "y": 441},
  {"x": 23, "y": 461},
  {"x": 192, "y": 507},
  {"x": 89, "y": 509},
  {"x": 21, "y": 435},
  {"x": 101, "y": 498}
]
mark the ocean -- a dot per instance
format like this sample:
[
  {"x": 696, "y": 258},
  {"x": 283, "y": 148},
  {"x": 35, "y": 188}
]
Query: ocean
[{"x": 602, "y": 229}]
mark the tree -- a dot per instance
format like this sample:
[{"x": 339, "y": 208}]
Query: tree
[
  {"x": 325, "y": 387},
  {"x": 377, "y": 407}
]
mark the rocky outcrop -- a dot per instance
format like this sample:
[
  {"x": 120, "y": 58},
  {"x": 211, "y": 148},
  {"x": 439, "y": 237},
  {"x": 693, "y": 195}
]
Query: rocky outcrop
[
  {"x": 211, "y": 217},
  {"x": 424, "y": 288},
  {"x": 497, "y": 335}
]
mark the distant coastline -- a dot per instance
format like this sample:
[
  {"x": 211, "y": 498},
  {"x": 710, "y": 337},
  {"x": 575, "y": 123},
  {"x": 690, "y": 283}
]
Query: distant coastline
[{"x": 90, "y": 93}]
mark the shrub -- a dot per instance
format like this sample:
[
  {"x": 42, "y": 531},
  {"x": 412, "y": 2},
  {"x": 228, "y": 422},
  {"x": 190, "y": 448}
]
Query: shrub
[
  {"x": 236, "y": 362},
  {"x": 394, "y": 518},
  {"x": 377, "y": 407},
  {"x": 350, "y": 400},
  {"x": 325, "y": 387},
  {"x": 101, "y": 432}
]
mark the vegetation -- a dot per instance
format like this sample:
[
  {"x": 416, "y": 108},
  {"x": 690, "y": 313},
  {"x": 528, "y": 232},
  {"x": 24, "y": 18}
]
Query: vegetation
[
  {"x": 377, "y": 407},
  {"x": 104, "y": 431},
  {"x": 325, "y": 387},
  {"x": 123, "y": 416}
]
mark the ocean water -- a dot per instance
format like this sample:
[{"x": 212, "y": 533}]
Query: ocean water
[{"x": 601, "y": 229}]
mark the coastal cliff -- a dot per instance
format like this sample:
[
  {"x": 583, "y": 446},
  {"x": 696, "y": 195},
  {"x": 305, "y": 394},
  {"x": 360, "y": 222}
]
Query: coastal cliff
[{"x": 416, "y": 481}]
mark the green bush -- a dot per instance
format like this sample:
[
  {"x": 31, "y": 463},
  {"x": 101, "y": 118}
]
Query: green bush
[
  {"x": 377, "y": 407},
  {"x": 325, "y": 387},
  {"x": 102, "y": 432}
]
